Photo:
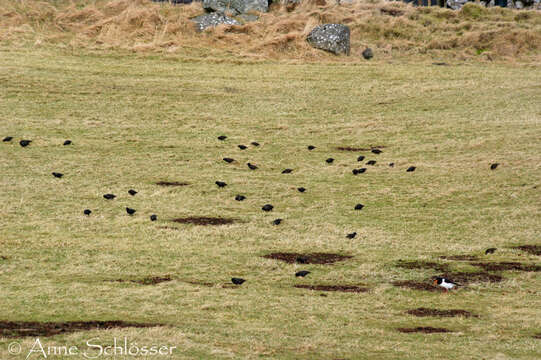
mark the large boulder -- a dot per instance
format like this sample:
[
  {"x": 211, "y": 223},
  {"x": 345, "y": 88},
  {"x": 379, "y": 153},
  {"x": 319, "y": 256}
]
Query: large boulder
[
  {"x": 213, "y": 19},
  {"x": 330, "y": 37},
  {"x": 236, "y": 7}
]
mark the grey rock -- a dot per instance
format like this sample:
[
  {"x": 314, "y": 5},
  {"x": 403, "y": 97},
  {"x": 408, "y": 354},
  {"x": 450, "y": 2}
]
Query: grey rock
[
  {"x": 248, "y": 17},
  {"x": 330, "y": 37},
  {"x": 213, "y": 19},
  {"x": 368, "y": 54},
  {"x": 456, "y": 4},
  {"x": 236, "y": 7}
]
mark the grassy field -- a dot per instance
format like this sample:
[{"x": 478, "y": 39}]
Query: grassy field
[{"x": 139, "y": 119}]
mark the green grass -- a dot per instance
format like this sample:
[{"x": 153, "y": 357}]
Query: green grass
[{"x": 136, "y": 120}]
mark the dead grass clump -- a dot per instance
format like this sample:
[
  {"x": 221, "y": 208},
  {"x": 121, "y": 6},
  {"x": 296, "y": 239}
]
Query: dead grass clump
[
  {"x": 397, "y": 28},
  {"x": 17, "y": 329},
  {"x": 308, "y": 258},
  {"x": 421, "y": 312}
]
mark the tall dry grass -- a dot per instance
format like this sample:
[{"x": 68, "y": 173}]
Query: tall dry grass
[{"x": 391, "y": 28}]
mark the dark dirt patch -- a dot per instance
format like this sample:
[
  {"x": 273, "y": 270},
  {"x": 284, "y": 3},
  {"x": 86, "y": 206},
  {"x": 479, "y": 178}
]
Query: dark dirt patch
[
  {"x": 502, "y": 266},
  {"x": 460, "y": 257},
  {"x": 424, "y": 329},
  {"x": 16, "y": 329},
  {"x": 416, "y": 285},
  {"x": 202, "y": 283},
  {"x": 341, "y": 288},
  {"x": 392, "y": 11},
  {"x": 308, "y": 258},
  {"x": 419, "y": 264},
  {"x": 152, "y": 280},
  {"x": 537, "y": 336},
  {"x": 532, "y": 249},
  {"x": 168, "y": 228},
  {"x": 2, "y": 257},
  {"x": 440, "y": 313},
  {"x": 350, "y": 148},
  {"x": 464, "y": 278},
  {"x": 172, "y": 183},
  {"x": 205, "y": 221}
]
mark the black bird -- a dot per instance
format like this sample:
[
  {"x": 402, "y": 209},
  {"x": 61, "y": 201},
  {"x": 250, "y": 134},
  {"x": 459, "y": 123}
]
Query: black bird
[
  {"x": 240, "y": 197},
  {"x": 391, "y": 164},
  {"x": 255, "y": 143},
  {"x": 376, "y": 151},
  {"x": 360, "y": 158},
  {"x": 352, "y": 235},
  {"x": 25, "y": 143},
  {"x": 494, "y": 166},
  {"x": 301, "y": 189},
  {"x": 153, "y": 217},
  {"x": 277, "y": 221},
  {"x": 371, "y": 162},
  {"x": 302, "y": 273},
  {"x": 411, "y": 168},
  {"x": 267, "y": 207},
  {"x": 130, "y": 211},
  {"x": 109, "y": 196},
  {"x": 287, "y": 171},
  {"x": 132, "y": 192},
  {"x": 302, "y": 260},
  {"x": 57, "y": 175},
  {"x": 358, "y": 171},
  {"x": 355, "y": 171},
  {"x": 311, "y": 147},
  {"x": 222, "y": 137},
  {"x": 7, "y": 138},
  {"x": 67, "y": 142},
  {"x": 490, "y": 251},
  {"x": 252, "y": 166},
  {"x": 237, "y": 281},
  {"x": 221, "y": 184},
  {"x": 329, "y": 160},
  {"x": 229, "y": 160},
  {"x": 243, "y": 147},
  {"x": 87, "y": 212},
  {"x": 359, "y": 207}
]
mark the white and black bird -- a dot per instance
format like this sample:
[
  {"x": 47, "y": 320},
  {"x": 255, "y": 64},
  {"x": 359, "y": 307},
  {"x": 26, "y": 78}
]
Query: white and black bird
[{"x": 445, "y": 283}]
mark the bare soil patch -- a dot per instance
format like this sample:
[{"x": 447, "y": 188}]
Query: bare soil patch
[
  {"x": 172, "y": 183},
  {"x": 460, "y": 257},
  {"x": 416, "y": 285},
  {"x": 350, "y": 148},
  {"x": 421, "y": 312},
  {"x": 532, "y": 249},
  {"x": 537, "y": 336},
  {"x": 16, "y": 329},
  {"x": 151, "y": 280},
  {"x": 341, "y": 288},
  {"x": 502, "y": 266},
  {"x": 308, "y": 258},
  {"x": 420, "y": 264},
  {"x": 424, "y": 329},
  {"x": 464, "y": 278},
  {"x": 205, "y": 220}
]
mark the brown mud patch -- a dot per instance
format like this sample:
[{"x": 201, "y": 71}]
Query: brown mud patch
[
  {"x": 350, "y": 148},
  {"x": 420, "y": 264},
  {"x": 172, "y": 183},
  {"x": 460, "y": 257},
  {"x": 532, "y": 249},
  {"x": 537, "y": 336},
  {"x": 16, "y": 329},
  {"x": 424, "y": 329},
  {"x": 503, "y": 266},
  {"x": 308, "y": 258},
  {"x": 464, "y": 278},
  {"x": 421, "y": 312},
  {"x": 341, "y": 288},
  {"x": 205, "y": 220},
  {"x": 151, "y": 280},
  {"x": 416, "y": 285}
]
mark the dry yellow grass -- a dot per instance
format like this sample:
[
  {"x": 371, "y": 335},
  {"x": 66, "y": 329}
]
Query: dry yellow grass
[{"x": 393, "y": 29}]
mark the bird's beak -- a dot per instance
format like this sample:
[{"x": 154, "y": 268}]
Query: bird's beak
[{"x": 435, "y": 282}]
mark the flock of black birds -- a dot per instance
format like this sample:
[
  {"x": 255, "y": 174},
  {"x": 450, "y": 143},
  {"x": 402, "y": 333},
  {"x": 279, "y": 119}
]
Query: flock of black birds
[{"x": 266, "y": 207}]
